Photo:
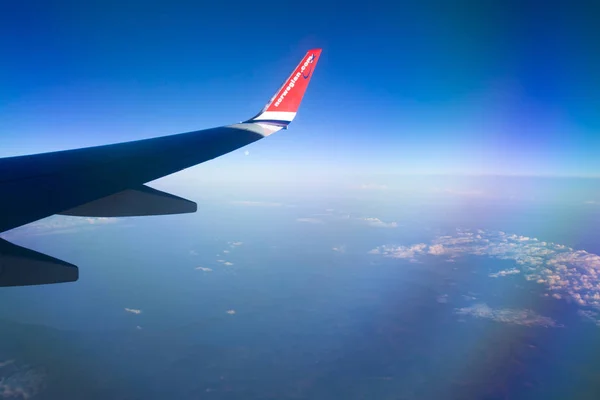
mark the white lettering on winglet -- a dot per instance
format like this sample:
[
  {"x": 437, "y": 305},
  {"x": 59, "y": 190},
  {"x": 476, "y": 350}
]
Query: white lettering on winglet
[{"x": 293, "y": 80}]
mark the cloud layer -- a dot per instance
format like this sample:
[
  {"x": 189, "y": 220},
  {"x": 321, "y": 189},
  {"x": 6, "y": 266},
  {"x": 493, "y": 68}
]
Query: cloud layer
[
  {"x": 59, "y": 224},
  {"x": 566, "y": 273},
  {"x": 377, "y": 223},
  {"x": 410, "y": 252},
  {"x": 508, "y": 315},
  {"x": 20, "y": 381}
]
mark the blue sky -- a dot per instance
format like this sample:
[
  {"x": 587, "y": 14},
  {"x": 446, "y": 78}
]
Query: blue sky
[{"x": 489, "y": 87}]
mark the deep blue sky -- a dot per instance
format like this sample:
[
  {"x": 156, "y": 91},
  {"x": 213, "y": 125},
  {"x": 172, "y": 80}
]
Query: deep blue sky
[{"x": 428, "y": 87}]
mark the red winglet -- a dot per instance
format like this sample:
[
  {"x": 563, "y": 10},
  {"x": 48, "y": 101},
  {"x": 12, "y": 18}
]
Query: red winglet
[
  {"x": 283, "y": 106},
  {"x": 290, "y": 95}
]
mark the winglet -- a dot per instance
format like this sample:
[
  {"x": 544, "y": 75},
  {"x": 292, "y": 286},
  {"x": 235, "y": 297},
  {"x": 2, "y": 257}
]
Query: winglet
[{"x": 282, "y": 107}]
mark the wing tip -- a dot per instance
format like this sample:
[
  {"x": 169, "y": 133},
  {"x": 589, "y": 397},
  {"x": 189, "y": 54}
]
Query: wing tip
[{"x": 283, "y": 106}]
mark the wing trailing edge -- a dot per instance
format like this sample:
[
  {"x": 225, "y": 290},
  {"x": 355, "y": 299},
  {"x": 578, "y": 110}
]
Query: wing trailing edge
[{"x": 140, "y": 201}]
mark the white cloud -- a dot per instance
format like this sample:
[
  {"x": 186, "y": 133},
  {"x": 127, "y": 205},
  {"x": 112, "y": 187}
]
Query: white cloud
[
  {"x": 437, "y": 250},
  {"x": 573, "y": 275},
  {"x": 230, "y": 312},
  {"x": 101, "y": 220},
  {"x": 376, "y": 222},
  {"x": 133, "y": 310},
  {"x": 204, "y": 269},
  {"x": 59, "y": 224},
  {"x": 256, "y": 203},
  {"x": 220, "y": 261},
  {"x": 505, "y": 272},
  {"x": 591, "y": 316},
  {"x": 339, "y": 249},
  {"x": 310, "y": 220},
  {"x": 22, "y": 382},
  {"x": 193, "y": 253},
  {"x": 227, "y": 263},
  {"x": 442, "y": 298},
  {"x": 226, "y": 251},
  {"x": 237, "y": 243},
  {"x": 506, "y": 315},
  {"x": 400, "y": 251}
]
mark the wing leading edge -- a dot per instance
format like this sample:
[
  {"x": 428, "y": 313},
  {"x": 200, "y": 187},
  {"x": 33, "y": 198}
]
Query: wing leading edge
[{"x": 108, "y": 180}]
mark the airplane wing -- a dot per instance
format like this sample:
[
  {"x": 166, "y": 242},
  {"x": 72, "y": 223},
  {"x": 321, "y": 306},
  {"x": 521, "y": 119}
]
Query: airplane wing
[{"x": 108, "y": 181}]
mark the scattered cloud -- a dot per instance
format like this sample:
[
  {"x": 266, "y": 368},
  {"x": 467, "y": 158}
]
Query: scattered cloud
[
  {"x": 226, "y": 251},
  {"x": 339, "y": 249},
  {"x": 593, "y": 202},
  {"x": 101, "y": 220},
  {"x": 569, "y": 274},
  {"x": 204, "y": 269},
  {"x": 59, "y": 224},
  {"x": 220, "y": 261},
  {"x": 193, "y": 253},
  {"x": 133, "y": 310},
  {"x": 5, "y": 363},
  {"x": 21, "y": 382},
  {"x": 437, "y": 250},
  {"x": 227, "y": 263},
  {"x": 139, "y": 328},
  {"x": 230, "y": 312},
  {"x": 442, "y": 298},
  {"x": 310, "y": 220},
  {"x": 589, "y": 315},
  {"x": 256, "y": 203},
  {"x": 237, "y": 243},
  {"x": 505, "y": 272},
  {"x": 409, "y": 252},
  {"x": 507, "y": 315},
  {"x": 376, "y": 222}
]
